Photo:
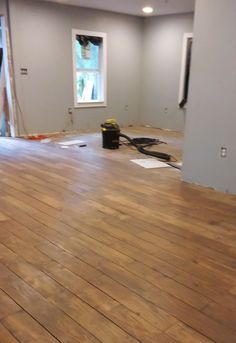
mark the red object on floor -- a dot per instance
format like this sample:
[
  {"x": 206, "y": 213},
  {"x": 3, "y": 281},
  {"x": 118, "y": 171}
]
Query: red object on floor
[{"x": 37, "y": 137}]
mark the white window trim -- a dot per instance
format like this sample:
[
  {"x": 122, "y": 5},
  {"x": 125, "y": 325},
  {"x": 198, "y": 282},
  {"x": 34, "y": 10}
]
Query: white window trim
[
  {"x": 92, "y": 103},
  {"x": 183, "y": 65}
]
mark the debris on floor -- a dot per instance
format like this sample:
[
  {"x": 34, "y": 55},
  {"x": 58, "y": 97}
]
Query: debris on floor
[
  {"x": 150, "y": 163},
  {"x": 71, "y": 142},
  {"x": 64, "y": 142},
  {"x": 36, "y": 137},
  {"x": 46, "y": 140},
  {"x": 178, "y": 164}
]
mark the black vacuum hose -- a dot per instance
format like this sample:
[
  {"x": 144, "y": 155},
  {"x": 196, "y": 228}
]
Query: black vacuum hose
[{"x": 140, "y": 148}]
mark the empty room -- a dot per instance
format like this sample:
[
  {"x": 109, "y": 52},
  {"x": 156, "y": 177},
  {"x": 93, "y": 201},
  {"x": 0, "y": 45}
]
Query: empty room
[{"x": 117, "y": 171}]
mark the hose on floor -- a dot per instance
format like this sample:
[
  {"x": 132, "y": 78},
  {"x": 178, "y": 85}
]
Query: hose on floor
[{"x": 141, "y": 143}]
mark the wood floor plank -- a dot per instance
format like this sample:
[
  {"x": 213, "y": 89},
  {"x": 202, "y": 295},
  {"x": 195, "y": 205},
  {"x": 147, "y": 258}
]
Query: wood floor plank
[
  {"x": 188, "y": 315},
  {"x": 163, "y": 264},
  {"x": 169, "y": 285},
  {"x": 79, "y": 311},
  {"x": 187, "y": 265},
  {"x": 230, "y": 262},
  {"x": 94, "y": 248},
  {"x": 193, "y": 266},
  {"x": 157, "y": 317},
  {"x": 159, "y": 298},
  {"x": 8, "y": 306},
  {"x": 190, "y": 250},
  {"x": 223, "y": 298},
  {"x": 6, "y": 336},
  {"x": 184, "y": 334},
  {"x": 54, "y": 320},
  {"x": 164, "y": 338},
  {"x": 223, "y": 315},
  {"x": 26, "y": 330},
  {"x": 134, "y": 324}
]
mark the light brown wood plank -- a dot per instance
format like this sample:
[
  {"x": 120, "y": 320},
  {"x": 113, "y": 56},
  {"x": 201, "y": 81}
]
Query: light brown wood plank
[
  {"x": 8, "y": 306},
  {"x": 6, "y": 336},
  {"x": 184, "y": 334},
  {"x": 134, "y": 324},
  {"x": 54, "y": 320},
  {"x": 79, "y": 311},
  {"x": 96, "y": 249},
  {"x": 150, "y": 293},
  {"x": 26, "y": 330}
]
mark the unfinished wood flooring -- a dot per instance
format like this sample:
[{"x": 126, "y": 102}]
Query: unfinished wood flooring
[{"x": 94, "y": 248}]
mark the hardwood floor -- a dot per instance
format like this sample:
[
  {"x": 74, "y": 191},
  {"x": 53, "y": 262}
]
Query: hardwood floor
[{"x": 94, "y": 248}]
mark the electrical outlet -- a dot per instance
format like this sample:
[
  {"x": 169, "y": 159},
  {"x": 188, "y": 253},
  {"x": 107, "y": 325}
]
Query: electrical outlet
[
  {"x": 166, "y": 110},
  {"x": 223, "y": 152},
  {"x": 24, "y": 71},
  {"x": 126, "y": 107},
  {"x": 70, "y": 111}
]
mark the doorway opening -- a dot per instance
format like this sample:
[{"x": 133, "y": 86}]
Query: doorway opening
[{"x": 8, "y": 123}]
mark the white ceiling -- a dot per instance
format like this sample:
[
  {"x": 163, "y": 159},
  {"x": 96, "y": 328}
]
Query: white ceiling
[{"x": 134, "y": 7}]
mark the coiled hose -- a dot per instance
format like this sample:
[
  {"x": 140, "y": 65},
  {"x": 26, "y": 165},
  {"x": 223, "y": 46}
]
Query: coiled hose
[{"x": 141, "y": 143}]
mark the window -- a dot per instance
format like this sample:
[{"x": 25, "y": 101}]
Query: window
[
  {"x": 89, "y": 68},
  {"x": 185, "y": 69}
]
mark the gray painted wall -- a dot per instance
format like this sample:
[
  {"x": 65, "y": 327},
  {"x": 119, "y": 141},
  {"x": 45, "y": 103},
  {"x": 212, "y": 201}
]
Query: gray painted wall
[
  {"x": 2, "y": 7},
  {"x": 41, "y": 37},
  {"x": 211, "y": 115},
  {"x": 163, "y": 38},
  {"x": 143, "y": 66}
]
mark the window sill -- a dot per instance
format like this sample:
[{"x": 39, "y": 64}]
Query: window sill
[{"x": 90, "y": 104}]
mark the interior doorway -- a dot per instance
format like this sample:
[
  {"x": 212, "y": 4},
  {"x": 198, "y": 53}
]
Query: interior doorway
[
  {"x": 8, "y": 122},
  {"x": 4, "y": 113}
]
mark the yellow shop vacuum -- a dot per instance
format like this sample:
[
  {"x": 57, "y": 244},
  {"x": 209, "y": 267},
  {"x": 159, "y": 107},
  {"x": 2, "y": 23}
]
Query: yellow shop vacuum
[{"x": 110, "y": 134}]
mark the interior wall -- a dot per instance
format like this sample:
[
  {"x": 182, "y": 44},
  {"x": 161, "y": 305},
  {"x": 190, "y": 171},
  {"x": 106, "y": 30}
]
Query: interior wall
[
  {"x": 162, "y": 54},
  {"x": 42, "y": 43},
  {"x": 211, "y": 118},
  {"x": 2, "y": 7}
]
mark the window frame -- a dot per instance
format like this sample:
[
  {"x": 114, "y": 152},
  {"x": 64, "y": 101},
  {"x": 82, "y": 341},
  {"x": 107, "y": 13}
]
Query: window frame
[
  {"x": 103, "y": 69},
  {"x": 186, "y": 37}
]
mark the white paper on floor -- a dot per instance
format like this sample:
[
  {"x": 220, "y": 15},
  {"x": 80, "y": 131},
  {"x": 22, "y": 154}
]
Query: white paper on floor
[
  {"x": 46, "y": 140},
  {"x": 179, "y": 164},
  {"x": 149, "y": 163},
  {"x": 73, "y": 142}
]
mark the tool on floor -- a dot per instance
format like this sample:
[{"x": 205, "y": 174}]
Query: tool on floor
[
  {"x": 111, "y": 140},
  {"x": 110, "y": 134}
]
